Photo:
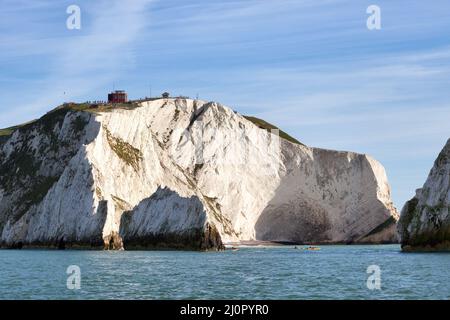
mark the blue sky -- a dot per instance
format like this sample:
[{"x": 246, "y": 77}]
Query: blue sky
[{"x": 311, "y": 67}]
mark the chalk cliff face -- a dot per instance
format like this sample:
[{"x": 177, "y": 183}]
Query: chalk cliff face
[
  {"x": 425, "y": 219},
  {"x": 185, "y": 174}
]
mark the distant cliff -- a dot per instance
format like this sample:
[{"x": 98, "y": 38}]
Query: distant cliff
[
  {"x": 180, "y": 173},
  {"x": 425, "y": 219}
]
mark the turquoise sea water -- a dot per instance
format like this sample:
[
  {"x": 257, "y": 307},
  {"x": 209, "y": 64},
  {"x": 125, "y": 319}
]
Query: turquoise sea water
[{"x": 334, "y": 272}]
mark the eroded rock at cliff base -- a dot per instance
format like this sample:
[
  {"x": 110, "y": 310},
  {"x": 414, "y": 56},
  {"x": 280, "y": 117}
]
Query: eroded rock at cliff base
[
  {"x": 113, "y": 241},
  {"x": 424, "y": 223},
  {"x": 168, "y": 220}
]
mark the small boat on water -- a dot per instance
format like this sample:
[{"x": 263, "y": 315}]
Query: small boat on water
[{"x": 310, "y": 248}]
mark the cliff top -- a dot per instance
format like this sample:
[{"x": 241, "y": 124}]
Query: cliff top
[{"x": 108, "y": 107}]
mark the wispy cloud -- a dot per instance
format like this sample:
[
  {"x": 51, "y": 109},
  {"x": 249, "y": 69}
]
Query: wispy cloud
[{"x": 83, "y": 60}]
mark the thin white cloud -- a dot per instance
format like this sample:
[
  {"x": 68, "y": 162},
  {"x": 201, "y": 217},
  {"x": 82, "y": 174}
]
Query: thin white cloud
[{"x": 88, "y": 61}]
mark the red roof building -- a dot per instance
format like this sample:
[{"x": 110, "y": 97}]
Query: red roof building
[{"x": 118, "y": 96}]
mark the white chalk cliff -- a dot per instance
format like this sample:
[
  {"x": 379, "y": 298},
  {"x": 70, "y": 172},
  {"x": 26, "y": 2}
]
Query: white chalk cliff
[
  {"x": 181, "y": 173},
  {"x": 425, "y": 219}
]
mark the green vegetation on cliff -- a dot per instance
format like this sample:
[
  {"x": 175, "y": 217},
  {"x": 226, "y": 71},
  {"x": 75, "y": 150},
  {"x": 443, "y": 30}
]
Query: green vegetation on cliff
[
  {"x": 50, "y": 116},
  {"x": 39, "y": 142},
  {"x": 267, "y": 126},
  {"x": 10, "y": 130},
  {"x": 125, "y": 151}
]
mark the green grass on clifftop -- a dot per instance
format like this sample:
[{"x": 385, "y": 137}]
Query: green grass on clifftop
[
  {"x": 265, "y": 125},
  {"x": 6, "y": 132},
  {"x": 103, "y": 107},
  {"x": 10, "y": 130},
  {"x": 86, "y": 107}
]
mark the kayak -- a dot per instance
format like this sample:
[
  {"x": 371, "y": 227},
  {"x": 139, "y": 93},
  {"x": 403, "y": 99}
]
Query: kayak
[{"x": 309, "y": 248}]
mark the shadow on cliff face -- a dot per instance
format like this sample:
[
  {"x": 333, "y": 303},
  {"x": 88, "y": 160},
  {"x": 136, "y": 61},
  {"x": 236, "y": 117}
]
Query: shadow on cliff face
[
  {"x": 167, "y": 220},
  {"x": 329, "y": 196},
  {"x": 297, "y": 221},
  {"x": 31, "y": 218},
  {"x": 290, "y": 216}
]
